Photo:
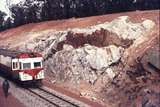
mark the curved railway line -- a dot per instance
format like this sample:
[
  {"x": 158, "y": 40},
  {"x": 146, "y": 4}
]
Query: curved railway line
[
  {"x": 53, "y": 99},
  {"x": 42, "y": 97}
]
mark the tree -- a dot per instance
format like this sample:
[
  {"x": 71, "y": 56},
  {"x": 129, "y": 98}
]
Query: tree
[
  {"x": 2, "y": 16},
  {"x": 7, "y": 23}
]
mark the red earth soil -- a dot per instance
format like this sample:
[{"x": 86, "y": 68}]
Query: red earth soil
[{"x": 70, "y": 94}]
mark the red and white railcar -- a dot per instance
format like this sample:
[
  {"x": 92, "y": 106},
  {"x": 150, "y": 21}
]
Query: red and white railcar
[{"x": 21, "y": 65}]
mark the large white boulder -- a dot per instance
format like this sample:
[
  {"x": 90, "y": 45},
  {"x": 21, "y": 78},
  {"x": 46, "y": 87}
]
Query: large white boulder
[
  {"x": 99, "y": 58},
  {"x": 148, "y": 24}
]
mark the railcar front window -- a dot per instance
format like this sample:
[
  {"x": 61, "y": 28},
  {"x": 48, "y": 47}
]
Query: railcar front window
[
  {"x": 37, "y": 64},
  {"x": 26, "y": 65}
]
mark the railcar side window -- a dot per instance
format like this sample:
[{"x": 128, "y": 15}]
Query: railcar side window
[
  {"x": 26, "y": 65},
  {"x": 37, "y": 64}
]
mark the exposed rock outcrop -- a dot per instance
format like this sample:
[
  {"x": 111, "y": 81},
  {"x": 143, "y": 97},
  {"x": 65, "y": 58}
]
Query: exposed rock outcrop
[
  {"x": 119, "y": 32},
  {"x": 85, "y": 63}
]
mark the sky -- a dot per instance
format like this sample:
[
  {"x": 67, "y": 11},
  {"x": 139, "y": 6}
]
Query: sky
[{"x": 4, "y": 7}]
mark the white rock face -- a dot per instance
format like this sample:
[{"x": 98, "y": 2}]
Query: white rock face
[
  {"x": 110, "y": 73},
  {"x": 99, "y": 58},
  {"x": 125, "y": 28},
  {"x": 122, "y": 26},
  {"x": 148, "y": 24},
  {"x": 67, "y": 47},
  {"x": 84, "y": 63}
]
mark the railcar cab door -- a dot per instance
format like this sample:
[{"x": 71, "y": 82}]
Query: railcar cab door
[{"x": 16, "y": 65}]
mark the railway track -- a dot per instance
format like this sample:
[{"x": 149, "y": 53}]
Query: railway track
[
  {"x": 42, "y": 97},
  {"x": 51, "y": 98},
  {"x": 54, "y": 99}
]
